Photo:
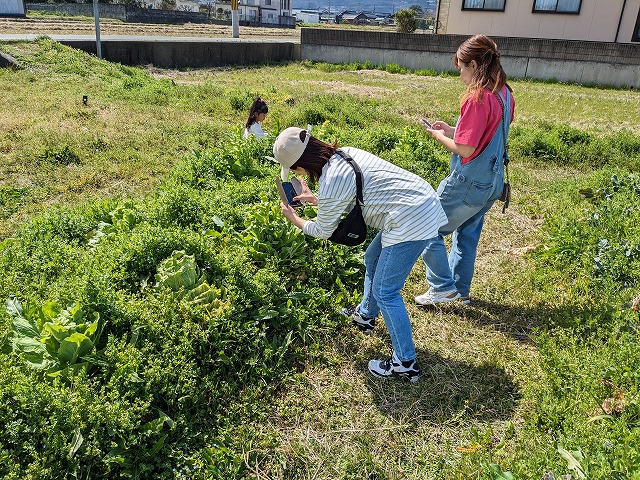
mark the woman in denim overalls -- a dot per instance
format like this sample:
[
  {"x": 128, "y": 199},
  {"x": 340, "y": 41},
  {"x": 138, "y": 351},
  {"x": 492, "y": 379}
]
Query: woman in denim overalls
[{"x": 476, "y": 178}]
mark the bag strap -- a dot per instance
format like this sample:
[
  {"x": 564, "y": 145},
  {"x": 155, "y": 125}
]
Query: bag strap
[{"x": 358, "y": 172}]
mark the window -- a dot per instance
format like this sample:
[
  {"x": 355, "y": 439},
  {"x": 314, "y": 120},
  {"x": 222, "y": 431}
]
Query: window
[
  {"x": 491, "y": 5},
  {"x": 636, "y": 31},
  {"x": 557, "y": 6}
]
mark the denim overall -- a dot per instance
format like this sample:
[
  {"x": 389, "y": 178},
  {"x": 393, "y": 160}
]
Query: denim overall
[{"x": 466, "y": 195}]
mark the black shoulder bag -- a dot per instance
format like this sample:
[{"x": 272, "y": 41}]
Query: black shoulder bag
[{"x": 352, "y": 230}]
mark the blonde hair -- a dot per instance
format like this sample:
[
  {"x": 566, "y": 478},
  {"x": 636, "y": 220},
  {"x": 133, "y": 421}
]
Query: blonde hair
[{"x": 489, "y": 74}]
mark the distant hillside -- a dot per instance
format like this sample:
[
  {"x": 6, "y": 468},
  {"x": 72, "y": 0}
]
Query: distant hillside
[{"x": 384, "y": 6}]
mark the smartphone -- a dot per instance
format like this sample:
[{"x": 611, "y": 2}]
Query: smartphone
[
  {"x": 424, "y": 122},
  {"x": 287, "y": 191}
]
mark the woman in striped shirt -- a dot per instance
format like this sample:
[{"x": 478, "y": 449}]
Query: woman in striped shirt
[{"x": 403, "y": 206}]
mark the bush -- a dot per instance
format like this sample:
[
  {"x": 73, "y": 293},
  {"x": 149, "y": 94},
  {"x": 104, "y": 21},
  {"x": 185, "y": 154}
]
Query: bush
[
  {"x": 197, "y": 294},
  {"x": 564, "y": 145},
  {"x": 406, "y": 21}
]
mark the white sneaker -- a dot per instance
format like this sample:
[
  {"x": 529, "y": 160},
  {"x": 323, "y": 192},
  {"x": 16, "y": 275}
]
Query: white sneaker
[
  {"x": 393, "y": 367},
  {"x": 365, "y": 324},
  {"x": 432, "y": 298}
]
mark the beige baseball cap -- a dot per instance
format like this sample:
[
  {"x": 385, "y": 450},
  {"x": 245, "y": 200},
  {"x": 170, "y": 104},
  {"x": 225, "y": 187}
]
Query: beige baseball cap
[{"x": 289, "y": 147}]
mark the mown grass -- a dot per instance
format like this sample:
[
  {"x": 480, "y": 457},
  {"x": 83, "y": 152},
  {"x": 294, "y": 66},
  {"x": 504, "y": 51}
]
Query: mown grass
[{"x": 271, "y": 383}]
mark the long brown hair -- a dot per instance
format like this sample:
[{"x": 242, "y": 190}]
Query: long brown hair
[
  {"x": 315, "y": 156},
  {"x": 489, "y": 74},
  {"x": 258, "y": 106}
]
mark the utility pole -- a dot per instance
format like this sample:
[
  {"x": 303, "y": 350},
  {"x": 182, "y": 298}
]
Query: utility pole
[
  {"x": 235, "y": 19},
  {"x": 96, "y": 16}
]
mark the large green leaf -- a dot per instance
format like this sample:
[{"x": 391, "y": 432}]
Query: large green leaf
[
  {"x": 23, "y": 328},
  {"x": 178, "y": 271},
  {"x": 14, "y": 307},
  {"x": 76, "y": 442},
  {"x": 573, "y": 461},
  {"x": 74, "y": 347},
  {"x": 48, "y": 312},
  {"x": 26, "y": 344},
  {"x": 57, "y": 331},
  {"x": 93, "y": 327}
]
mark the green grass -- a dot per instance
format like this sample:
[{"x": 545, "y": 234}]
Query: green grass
[
  {"x": 246, "y": 371},
  {"x": 62, "y": 15}
]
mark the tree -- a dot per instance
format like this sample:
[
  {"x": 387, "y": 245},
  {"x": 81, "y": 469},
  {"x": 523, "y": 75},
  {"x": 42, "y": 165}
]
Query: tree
[
  {"x": 406, "y": 21},
  {"x": 168, "y": 5}
]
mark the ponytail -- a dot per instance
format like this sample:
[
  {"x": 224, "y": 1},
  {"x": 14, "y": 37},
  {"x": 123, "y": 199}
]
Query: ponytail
[
  {"x": 489, "y": 74},
  {"x": 258, "y": 106}
]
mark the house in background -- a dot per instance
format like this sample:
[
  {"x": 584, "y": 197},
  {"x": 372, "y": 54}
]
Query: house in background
[
  {"x": 354, "y": 18},
  {"x": 306, "y": 16},
  {"x": 592, "y": 20},
  {"x": 326, "y": 16},
  {"x": 276, "y": 12}
]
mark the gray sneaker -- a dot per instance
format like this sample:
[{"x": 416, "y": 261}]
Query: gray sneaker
[
  {"x": 393, "y": 367},
  {"x": 365, "y": 324},
  {"x": 431, "y": 297}
]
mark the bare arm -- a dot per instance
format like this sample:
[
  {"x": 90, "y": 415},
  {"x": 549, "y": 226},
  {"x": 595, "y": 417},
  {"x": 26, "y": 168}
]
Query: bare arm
[{"x": 443, "y": 133}]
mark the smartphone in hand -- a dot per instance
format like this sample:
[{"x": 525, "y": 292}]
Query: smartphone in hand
[
  {"x": 288, "y": 190},
  {"x": 427, "y": 124}
]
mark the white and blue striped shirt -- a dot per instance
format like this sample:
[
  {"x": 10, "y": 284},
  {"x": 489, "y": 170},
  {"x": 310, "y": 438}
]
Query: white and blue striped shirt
[{"x": 401, "y": 204}]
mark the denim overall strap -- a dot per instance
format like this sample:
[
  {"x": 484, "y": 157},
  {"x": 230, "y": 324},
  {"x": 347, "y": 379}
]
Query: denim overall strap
[{"x": 506, "y": 115}]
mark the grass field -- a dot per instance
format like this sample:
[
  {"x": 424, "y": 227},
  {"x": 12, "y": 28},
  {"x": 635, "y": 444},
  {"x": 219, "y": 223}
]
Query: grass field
[{"x": 540, "y": 375}]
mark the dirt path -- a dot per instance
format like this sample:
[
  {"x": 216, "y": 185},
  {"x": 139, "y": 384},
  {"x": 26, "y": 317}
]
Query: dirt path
[{"x": 55, "y": 26}]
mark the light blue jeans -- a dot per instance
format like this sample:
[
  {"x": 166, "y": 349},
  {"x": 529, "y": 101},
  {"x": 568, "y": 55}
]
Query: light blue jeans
[
  {"x": 387, "y": 271},
  {"x": 466, "y": 195}
]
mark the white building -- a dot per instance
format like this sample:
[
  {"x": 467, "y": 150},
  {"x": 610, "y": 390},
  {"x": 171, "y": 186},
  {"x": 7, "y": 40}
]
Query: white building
[
  {"x": 592, "y": 20},
  {"x": 306, "y": 16},
  {"x": 260, "y": 11}
]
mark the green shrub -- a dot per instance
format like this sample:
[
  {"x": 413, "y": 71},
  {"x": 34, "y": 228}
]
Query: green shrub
[
  {"x": 564, "y": 145},
  {"x": 11, "y": 199}
]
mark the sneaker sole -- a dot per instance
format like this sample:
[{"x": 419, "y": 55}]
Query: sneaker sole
[
  {"x": 413, "y": 379},
  {"x": 433, "y": 304},
  {"x": 362, "y": 328}
]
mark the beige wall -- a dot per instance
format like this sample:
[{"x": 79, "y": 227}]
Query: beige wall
[{"x": 597, "y": 21}]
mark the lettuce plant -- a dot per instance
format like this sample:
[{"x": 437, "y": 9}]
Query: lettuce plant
[
  {"x": 61, "y": 342},
  {"x": 181, "y": 274}
]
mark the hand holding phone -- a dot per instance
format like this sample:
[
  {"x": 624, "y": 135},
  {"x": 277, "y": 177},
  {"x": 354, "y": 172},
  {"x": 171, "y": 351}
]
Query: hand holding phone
[
  {"x": 425, "y": 123},
  {"x": 288, "y": 190}
]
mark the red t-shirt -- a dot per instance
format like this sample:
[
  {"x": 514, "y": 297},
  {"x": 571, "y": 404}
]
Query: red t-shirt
[{"x": 479, "y": 121}]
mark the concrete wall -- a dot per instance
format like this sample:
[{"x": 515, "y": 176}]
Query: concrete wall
[
  {"x": 544, "y": 59},
  {"x": 597, "y": 21},
  {"x": 199, "y": 53}
]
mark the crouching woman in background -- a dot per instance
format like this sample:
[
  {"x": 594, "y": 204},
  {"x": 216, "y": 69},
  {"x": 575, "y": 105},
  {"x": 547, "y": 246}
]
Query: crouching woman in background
[{"x": 403, "y": 206}]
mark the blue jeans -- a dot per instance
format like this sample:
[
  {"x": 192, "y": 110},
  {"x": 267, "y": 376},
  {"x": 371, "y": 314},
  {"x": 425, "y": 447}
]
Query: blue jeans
[
  {"x": 455, "y": 271},
  {"x": 466, "y": 195},
  {"x": 387, "y": 271}
]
